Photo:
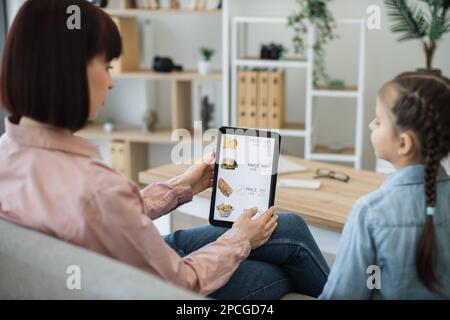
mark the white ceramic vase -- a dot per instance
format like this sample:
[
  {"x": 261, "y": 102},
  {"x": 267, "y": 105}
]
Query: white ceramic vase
[
  {"x": 204, "y": 67},
  {"x": 108, "y": 127}
]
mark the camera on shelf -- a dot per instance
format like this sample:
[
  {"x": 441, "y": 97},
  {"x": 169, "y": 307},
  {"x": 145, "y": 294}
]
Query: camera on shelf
[
  {"x": 100, "y": 3},
  {"x": 165, "y": 64},
  {"x": 272, "y": 51}
]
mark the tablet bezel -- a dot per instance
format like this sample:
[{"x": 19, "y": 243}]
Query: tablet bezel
[{"x": 273, "y": 183}]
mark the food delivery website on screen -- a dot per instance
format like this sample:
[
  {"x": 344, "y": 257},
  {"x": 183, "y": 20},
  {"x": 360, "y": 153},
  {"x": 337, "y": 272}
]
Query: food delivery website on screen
[{"x": 244, "y": 175}]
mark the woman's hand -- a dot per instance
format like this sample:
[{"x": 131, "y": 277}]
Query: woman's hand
[
  {"x": 200, "y": 175},
  {"x": 258, "y": 231}
]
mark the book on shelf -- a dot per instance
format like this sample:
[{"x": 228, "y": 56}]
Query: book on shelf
[
  {"x": 276, "y": 99},
  {"x": 252, "y": 99},
  {"x": 260, "y": 99},
  {"x": 242, "y": 98},
  {"x": 212, "y": 4},
  {"x": 147, "y": 4},
  {"x": 129, "y": 60},
  {"x": 263, "y": 95},
  {"x": 201, "y": 4}
]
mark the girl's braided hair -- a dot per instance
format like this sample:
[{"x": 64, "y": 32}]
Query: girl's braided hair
[{"x": 423, "y": 107}]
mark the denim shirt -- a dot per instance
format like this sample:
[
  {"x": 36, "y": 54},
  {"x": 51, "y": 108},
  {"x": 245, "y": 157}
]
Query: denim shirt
[{"x": 381, "y": 231}]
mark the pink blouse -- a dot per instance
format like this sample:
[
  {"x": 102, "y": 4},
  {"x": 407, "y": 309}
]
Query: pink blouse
[{"x": 54, "y": 182}]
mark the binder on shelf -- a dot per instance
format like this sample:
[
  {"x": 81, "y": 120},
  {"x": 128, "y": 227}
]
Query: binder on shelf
[
  {"x": 263, "y": 95},
  {"x": 129, "y": 31},
  {"x": 276, "y": 99},
  {"x": 201, "y": 4},
  {"x": 242, "y": 98},
  {"x": 118, "y": 153},
  {"x": 252, "y": 99}
]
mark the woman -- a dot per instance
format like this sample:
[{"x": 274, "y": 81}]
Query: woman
[{"x": 53, "y": 81}]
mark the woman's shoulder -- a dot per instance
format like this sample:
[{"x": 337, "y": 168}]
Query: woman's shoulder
[
  {"x": 110, "y": 189},
  {"x": 105, "y": 177}
]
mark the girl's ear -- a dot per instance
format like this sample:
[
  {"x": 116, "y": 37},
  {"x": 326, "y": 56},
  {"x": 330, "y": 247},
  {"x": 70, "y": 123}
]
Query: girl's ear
[{"x": 407, "y": 144}]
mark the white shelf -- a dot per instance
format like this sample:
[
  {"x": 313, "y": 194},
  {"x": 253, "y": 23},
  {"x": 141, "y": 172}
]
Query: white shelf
[
  {"x": 240, "y": 58},
  {"x": 133, "y": 12},
  {"x": 187, "y": 75},
  {"x": 332, "y": 157},
  {"x": 292, "y": 133},
  {"x": 271, "y": 63},
  {"x": 287, "y": 132},
  {"x": 336, "y": 93},
  {"x": 260, "y": 20}
]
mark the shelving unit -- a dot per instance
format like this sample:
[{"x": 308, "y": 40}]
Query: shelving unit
[
  {"x": 289, "y": 63},
  {"x": 349, "y": 154},
  {"x": 313, "y": 150},
  {"x": 133, "y": 134},
  {"x": 129, "y": 144},
  {"x": 181, "y": 83},
  {"x": 134, "y": 142},
  {"x": 188, "y": 75},
  {"x": 296, "y": 130},
  {"x": 131, "y": 12}
]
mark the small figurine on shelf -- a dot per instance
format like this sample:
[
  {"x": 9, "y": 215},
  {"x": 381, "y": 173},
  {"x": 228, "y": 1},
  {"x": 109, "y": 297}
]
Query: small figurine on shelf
[
  {"x": 150, "y": 119},
  {"x": 204, "y": 65},
  {"x": 336, "y": 83},
  {"x": 273, "y": 51},
  {"x": 109, "y": 124},
  {"x": 207, "y": 113},
  {"x": 165, "y": 64},
  {"x": 100, "y": 3}
]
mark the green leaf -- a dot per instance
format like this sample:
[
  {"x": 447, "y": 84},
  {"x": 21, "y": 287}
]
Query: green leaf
[{"x": 409, "y": 21}]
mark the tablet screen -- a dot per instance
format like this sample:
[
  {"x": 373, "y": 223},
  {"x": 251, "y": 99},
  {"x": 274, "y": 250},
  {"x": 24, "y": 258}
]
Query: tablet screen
[{"x": 244, "y": 175}]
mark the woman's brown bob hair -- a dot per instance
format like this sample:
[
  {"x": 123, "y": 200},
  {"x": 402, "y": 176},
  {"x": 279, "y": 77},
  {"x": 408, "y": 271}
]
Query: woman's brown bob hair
[{"x": 44, "y": 67}]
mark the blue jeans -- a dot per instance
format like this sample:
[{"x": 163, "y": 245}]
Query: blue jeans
[{"x": 289, "y": 262}]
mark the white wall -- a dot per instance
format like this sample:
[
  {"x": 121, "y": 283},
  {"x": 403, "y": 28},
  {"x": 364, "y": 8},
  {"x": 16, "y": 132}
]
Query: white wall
[
  {"x": 180, "y": 36},
  {"x": 385, "y": 59}
]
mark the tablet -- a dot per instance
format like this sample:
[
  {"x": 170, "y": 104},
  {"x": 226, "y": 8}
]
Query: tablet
[{"x": 245, "y": 173}]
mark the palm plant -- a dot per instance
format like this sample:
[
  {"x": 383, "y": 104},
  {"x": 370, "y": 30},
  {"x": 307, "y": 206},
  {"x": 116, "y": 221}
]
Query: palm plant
[{"x": 424, "y": 20}]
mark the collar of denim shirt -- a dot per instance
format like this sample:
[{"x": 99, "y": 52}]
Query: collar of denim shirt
[{"x": 412, "y": 175}]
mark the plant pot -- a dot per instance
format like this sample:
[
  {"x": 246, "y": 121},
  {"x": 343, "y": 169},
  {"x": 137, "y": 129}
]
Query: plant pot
[
  {"x": 204, "y": 67},
  {"x": 436, "y": 72},
  {"x": 108, "y": 127}
]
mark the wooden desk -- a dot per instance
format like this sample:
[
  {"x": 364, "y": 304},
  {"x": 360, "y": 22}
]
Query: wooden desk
[{"x": 324, "y": 208}]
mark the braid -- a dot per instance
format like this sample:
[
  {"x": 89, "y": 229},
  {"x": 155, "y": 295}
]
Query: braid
[
  {"x": 426, "y": 251},
  {"x": 431, "y": 154}
]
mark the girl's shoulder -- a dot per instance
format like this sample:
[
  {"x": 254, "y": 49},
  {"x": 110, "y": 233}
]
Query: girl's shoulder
[{"x": 391, "y": 206}]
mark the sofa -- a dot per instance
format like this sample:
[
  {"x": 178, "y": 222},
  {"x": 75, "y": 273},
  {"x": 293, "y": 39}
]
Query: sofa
[{"x": 34, "y": 265}]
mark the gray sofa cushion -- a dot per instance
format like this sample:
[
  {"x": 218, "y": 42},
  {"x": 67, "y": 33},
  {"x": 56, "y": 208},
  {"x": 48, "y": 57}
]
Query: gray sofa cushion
[{"x": 34, "y": 265}]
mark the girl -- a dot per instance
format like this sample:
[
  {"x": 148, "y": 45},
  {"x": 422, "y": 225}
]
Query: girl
[
  {"x": 396, "y": 242},
  {"x": 53, "y": 80}
]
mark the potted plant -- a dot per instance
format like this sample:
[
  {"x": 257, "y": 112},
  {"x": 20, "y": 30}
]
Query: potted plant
[
  {"x": 317, "y": 14},
  {"x": 204, "y": 65},
  {"x": 424, "y": 20}
]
